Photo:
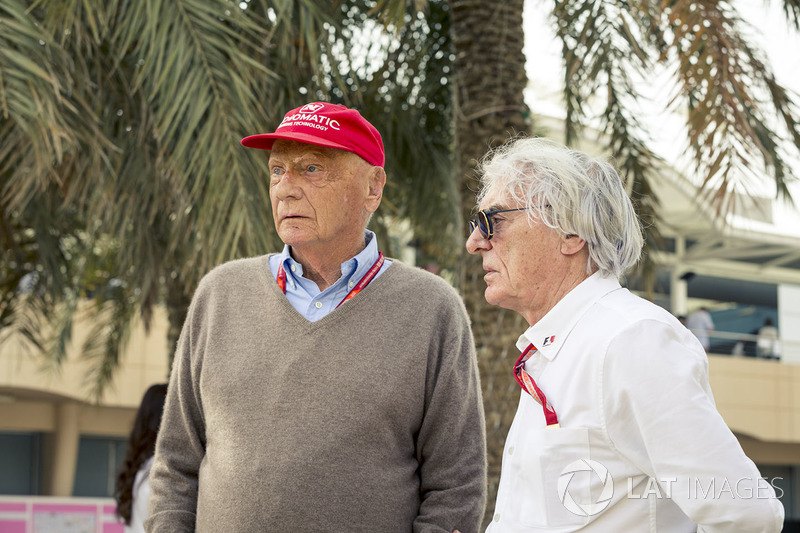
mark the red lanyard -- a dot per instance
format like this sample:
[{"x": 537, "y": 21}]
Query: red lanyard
[
  {"x": 369, "y": 276},
  {"x": 529, "y": 385}
]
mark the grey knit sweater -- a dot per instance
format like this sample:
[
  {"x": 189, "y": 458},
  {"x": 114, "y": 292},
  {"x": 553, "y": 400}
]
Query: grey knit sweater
[{"x": 369, "y": 419}]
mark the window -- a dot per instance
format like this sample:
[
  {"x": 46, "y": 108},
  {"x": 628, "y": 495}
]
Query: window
[
  {"x": 99, "y": 459},
  {"x": 20, "y": 457}
]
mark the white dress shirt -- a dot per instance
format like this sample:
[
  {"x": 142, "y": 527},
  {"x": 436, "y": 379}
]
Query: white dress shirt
[{"x": 641, "y": 446}]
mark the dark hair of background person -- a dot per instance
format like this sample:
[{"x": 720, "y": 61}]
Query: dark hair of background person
[{"x": 141, "y": 446}]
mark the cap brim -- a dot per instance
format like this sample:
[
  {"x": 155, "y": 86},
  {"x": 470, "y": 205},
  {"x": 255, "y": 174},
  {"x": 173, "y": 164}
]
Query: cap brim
[{"x": 264, "y": 141}]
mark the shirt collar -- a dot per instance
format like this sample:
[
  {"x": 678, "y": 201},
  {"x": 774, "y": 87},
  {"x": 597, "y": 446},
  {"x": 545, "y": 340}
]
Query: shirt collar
[
  {"x": 355, "y": 266},
  {"x": 549, "y": 333}
]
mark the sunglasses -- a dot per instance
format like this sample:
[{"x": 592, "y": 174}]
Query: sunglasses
[{"x": 483, "y": 221}]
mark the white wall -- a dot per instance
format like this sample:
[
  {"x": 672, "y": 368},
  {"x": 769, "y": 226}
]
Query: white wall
[{"x": 789, "y": 322}]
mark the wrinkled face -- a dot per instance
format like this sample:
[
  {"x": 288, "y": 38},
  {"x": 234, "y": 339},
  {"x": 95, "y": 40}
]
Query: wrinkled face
[
  {"x": 521, "y": 260},
  {"x": 321, "y": 197}
]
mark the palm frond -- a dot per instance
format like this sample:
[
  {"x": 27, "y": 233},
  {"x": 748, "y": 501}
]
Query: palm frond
[
  {"x": 727, "y": 89},
  {"x": 792, "y": 10},
  {"x": 606, "y": 45},
  {"x": 113, "y": 317}
]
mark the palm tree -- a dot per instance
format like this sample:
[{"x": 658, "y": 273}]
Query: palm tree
[
  {"x": 97, "y": 119},
  {"x": 121, "y": 177},
  {"x": 489, "y": 81}
]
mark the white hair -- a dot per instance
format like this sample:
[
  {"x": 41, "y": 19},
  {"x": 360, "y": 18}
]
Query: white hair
[{"x": 572, "y": 193}]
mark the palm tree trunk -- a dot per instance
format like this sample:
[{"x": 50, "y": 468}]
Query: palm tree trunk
[
  {"x": 489, "y": 107},
  {"x": 177, "y": 302}
]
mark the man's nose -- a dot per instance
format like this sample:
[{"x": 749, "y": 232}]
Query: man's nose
[
  {"x": 476, "y": 242},
  {"x": 287, "y": 187}
]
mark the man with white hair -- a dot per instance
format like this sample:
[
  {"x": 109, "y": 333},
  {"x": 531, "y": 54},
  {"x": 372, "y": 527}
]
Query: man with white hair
[{"x": 616, "y": 428}]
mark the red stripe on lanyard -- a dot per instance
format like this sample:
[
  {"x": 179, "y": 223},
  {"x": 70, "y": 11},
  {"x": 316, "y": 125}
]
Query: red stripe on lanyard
[
  {"x": 368, "y": 277},
  {"x": 529, "y": 385}
]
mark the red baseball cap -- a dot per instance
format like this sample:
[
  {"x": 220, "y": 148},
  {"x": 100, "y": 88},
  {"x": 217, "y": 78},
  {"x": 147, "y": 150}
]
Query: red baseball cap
[{"x": 329, "y": 125}]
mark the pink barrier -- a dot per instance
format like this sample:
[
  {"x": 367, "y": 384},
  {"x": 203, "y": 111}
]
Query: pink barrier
[{"x": 30, "y": 514}]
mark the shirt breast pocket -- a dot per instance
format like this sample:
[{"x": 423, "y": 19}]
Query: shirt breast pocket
[{"x": 558, "y": 482}]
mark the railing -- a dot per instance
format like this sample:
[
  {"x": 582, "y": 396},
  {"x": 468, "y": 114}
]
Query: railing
[{"x": 748, "y": 345}]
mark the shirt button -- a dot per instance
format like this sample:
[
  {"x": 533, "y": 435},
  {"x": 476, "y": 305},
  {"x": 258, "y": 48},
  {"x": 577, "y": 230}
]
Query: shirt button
[
  {"x": 510, "y": 450},
  {"x": 497, "y": 517},
  {"x": 350, "y": 284},
  {"x": 318, "y": 305},
  {"x": 294, "y": 268}
]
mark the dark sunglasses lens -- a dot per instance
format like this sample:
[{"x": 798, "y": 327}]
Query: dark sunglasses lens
[{"x": 485, "y": 225}]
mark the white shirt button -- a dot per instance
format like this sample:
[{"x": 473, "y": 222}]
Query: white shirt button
[
  {"x": 510, "y": 450},
  {"x": 350, "y": 284},
  {"x": 294, "y": 268},
  {"x": 497, "y": 517},
  {"x": 318, "y": 305}
]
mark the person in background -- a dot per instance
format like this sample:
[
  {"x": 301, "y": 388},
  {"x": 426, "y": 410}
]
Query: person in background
[
  {"x": 702, "y": 325},
  {"x": 326, "y": 387},
  {"x": 747, "y": 347},
  {"x": 132, "y": 490},
  {"x": 768, "y": 344},
  {"x": 616, "y": 427}
]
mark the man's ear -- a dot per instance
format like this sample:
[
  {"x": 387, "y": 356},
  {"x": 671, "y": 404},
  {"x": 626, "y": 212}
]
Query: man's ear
[
  {"x": 571, "y": 244},
  {"x": 377, "y": 180}
]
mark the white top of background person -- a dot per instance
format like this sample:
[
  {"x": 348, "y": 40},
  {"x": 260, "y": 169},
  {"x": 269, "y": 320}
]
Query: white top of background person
[
  {"x": 768, "y": 344},
  {"x": 627, "y": 436},
  {"x": 702, "y": 325}
]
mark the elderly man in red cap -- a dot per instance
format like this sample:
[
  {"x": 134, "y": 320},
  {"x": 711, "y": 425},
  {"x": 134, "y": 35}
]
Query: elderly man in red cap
[{"x": 325, "y": 388}]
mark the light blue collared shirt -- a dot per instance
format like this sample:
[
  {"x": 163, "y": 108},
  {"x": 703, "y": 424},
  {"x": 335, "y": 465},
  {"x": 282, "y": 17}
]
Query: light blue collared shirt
[{"x": 305, "y": 295}]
